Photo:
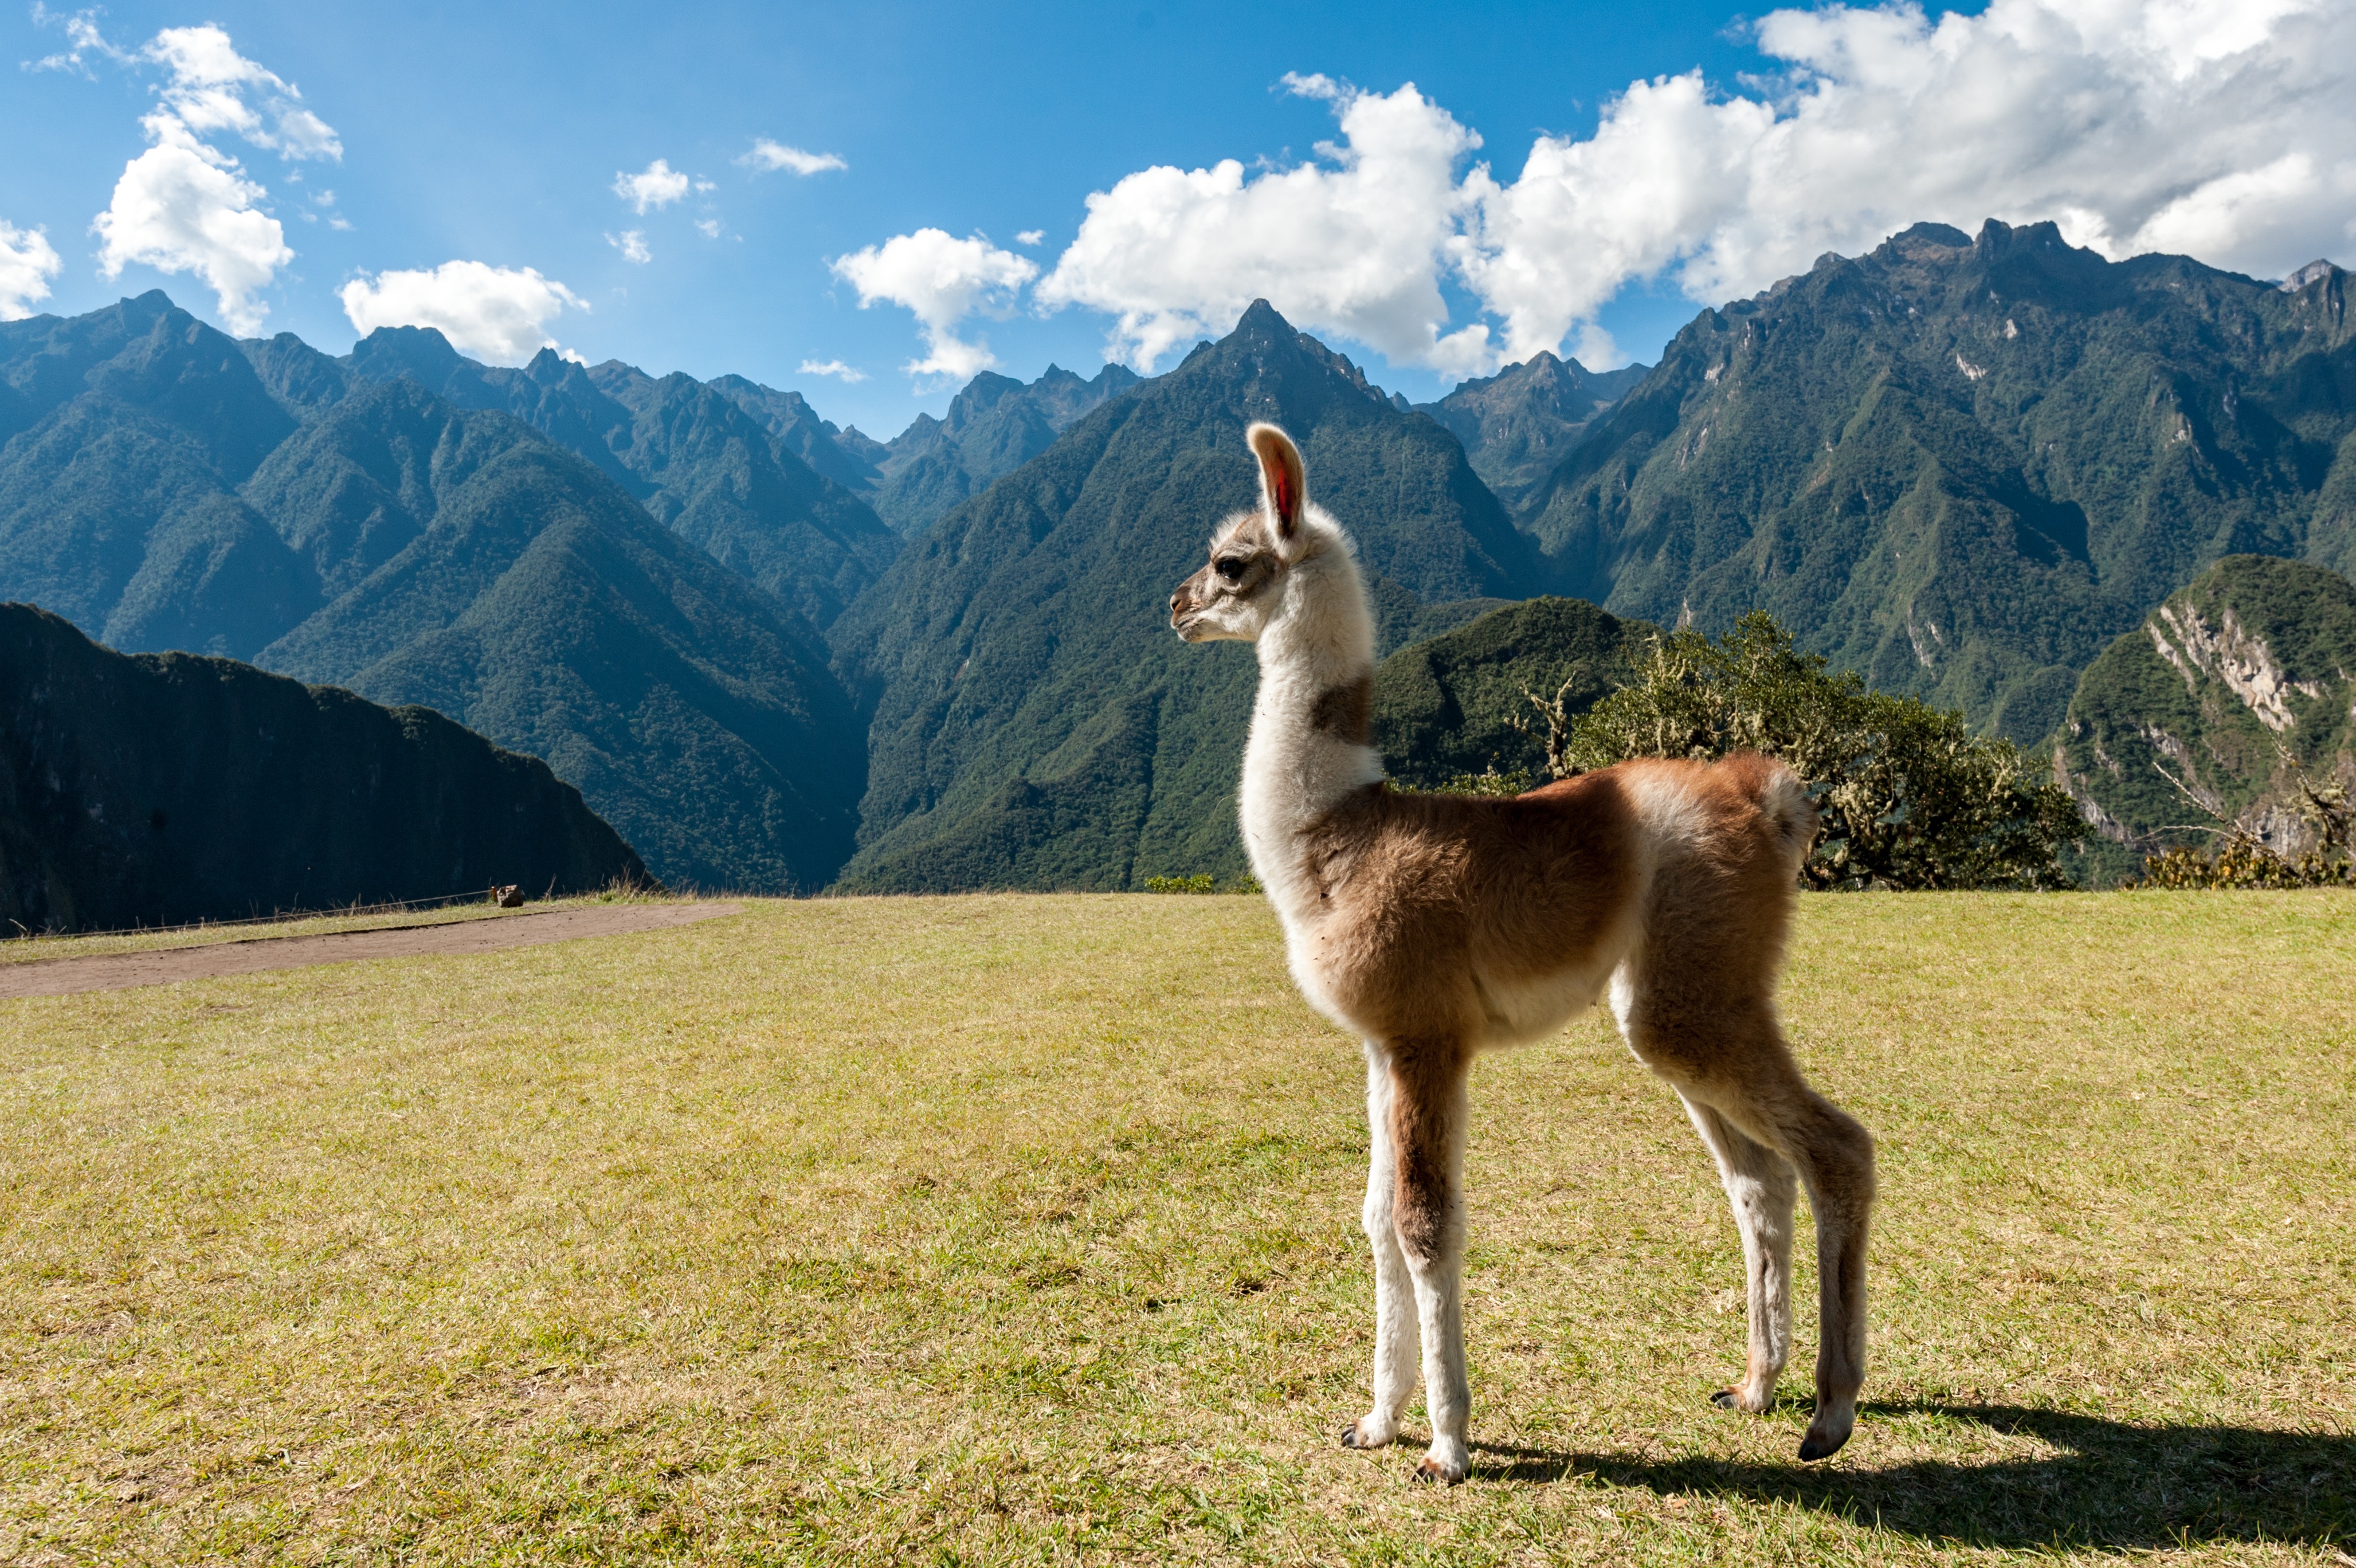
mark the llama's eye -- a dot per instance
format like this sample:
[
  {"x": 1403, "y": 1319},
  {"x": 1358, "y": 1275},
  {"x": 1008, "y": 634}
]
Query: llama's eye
[{"x": 1231, "y": 569}]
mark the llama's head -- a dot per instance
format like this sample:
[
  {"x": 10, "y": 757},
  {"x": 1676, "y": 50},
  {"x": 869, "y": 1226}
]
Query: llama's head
[{"x": 1237, "y": 593}]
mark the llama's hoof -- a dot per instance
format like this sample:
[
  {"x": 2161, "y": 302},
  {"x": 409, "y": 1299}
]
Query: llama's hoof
[
  {"x": 1736, "y": 1398},
  {"x": 1437, "y": 1473},
  {"x": 1825, "y": 1437},
  {"x": 1358, "y": 1434}
]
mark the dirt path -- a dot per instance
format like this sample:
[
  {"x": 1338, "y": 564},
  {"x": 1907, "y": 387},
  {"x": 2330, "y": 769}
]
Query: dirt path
[{"x": 117, "y": 971}]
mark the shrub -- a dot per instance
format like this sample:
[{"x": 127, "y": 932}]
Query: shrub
[
  {"x": 1204, "y": 884},
  {"x": 2240, "y": 860},
  {"x": 1910, "y": 798}
]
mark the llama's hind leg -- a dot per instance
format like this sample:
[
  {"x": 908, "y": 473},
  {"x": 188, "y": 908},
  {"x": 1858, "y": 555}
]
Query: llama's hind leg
[
  {"x": 1429, "y": 1112},
  {"x": 1761, "y": 1186},
  {"x": 1834, "y": 1154},
  {"x": 1394, "y": 1312}
]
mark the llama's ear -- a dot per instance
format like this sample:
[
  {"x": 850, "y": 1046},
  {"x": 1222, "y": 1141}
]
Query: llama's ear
[{"x": 1283, "y": 486}]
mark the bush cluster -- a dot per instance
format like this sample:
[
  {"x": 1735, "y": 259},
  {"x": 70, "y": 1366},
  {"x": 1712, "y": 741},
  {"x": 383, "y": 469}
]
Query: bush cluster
[{"x": 1909, "y": 797}]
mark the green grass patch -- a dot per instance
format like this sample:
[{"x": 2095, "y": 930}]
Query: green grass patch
[{"x": 1025, "y": 1229}]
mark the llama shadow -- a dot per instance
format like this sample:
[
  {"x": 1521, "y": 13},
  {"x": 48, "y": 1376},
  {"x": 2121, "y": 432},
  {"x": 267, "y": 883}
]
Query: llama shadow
[{"x": 2115, "y": 1487}]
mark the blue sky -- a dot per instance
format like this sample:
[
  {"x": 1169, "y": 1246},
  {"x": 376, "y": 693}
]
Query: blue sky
[{"x": 494, "y": 134}]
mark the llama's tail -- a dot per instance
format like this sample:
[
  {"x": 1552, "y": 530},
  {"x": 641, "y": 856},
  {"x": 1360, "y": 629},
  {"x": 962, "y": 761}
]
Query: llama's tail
[{"x": 1783, "y": 802}]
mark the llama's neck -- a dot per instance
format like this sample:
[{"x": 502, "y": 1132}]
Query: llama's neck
[{"x": 1308, "y": 751}]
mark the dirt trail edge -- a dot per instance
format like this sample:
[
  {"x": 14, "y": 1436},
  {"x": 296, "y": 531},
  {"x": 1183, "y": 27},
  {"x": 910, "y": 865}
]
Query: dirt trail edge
[{"x": 119, "y": 972}]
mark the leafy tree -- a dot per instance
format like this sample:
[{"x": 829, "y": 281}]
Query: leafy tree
[{"x": 1910, "y": 798}]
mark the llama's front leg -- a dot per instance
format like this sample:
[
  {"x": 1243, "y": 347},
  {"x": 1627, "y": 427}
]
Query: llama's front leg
[
  {"x": 1394, "y": 1310},
  {"x": 1761, "y": 1186},
  {"x": 1427, "y": 1115}
]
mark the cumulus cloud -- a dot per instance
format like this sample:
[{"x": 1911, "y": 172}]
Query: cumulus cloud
[
  {"x": 1030, "y": 237},
  {"x": 2224, "y": 128},
  {"x": 835, "y": 368},
  {"x": 1352, "y": 243},
  {"x": 210, "y": 87},
  {"x": 942, "y": 280},
  {"x": 769, "y": 156},
  {"x": 27, "y": 262},
  {"x": 184, "y": 208},
  {"x": 497, "y": 314},
  {"x": 632, "y": 243},
  {"x": 657, "y": 186},
  {"x": 184, "y": 205},
  {"x": 709, "y": 226}
]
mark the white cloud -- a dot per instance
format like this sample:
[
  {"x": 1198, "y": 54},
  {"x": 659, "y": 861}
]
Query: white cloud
[
  {"x": 184, "y": 208},
  {"x": 2225, "y": 128},
  {"x": 942, "y": 280},
  {"x": 710, "y": 227},
  {"x": 770, "y": 157},
  {"x": 184, "y": 205},
  {"x": 1352, "y": 244},
  {"x": 657, "y": 185},
  {"x": 1031, "y": 236},
  {"x": 632, "y": 243},
  {"x": 496, "y": 314},
  {"x": 27, "y": 262},
  {"x": 82, "y": 37},
  {"x": 214, "y": 88},
  {"x": 832, "y": 368}
]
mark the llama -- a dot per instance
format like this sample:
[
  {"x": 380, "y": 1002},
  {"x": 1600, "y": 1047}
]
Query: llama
[{"x": 1436, "y": 927}]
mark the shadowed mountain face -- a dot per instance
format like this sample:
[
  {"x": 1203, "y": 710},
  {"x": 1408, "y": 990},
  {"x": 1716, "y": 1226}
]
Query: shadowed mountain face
[
  {"x": 1962, "y": 467},
  {"x": 159, "y": 789},
  {"x": 165, "y": 486},
  {"x": 1036, "y": 724},
  {"x": 1517, "y": 426},
  {"x": 2207, "y": 713}
]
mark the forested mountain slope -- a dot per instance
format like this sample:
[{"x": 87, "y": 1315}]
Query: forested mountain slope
[
  {"x": 1518, "y": 425},
  {"x": 994, "y": 425},
  {"x": 2208, "y": 711},
  {"x": 1460, "y": 702},
  {"x": 157, "y": 789},
  {"x": 1036, "y": 724},
  {"x": 691, "y": 453},
  {"x": 124, "y": 436},
  {"x": 539, "y": 603},
  {"x": 165, "y": 487},
  {"x": 1963, "y": 466}
]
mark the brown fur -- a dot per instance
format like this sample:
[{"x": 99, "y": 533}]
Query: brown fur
[{"x": 1347, "y": 711}]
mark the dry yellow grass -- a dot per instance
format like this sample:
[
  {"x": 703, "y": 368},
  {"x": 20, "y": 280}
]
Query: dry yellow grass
[{"x": 992, "y": 1229}]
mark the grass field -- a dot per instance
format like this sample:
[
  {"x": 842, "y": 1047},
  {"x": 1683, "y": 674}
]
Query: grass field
[{"x": 1025, "y": 1229}]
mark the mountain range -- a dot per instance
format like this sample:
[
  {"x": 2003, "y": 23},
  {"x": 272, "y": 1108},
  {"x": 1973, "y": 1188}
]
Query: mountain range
[
  {"x": 165, "y": 487},
  {"x": 776, "y": 654},
  {"x": 1961, "y": 464}
]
